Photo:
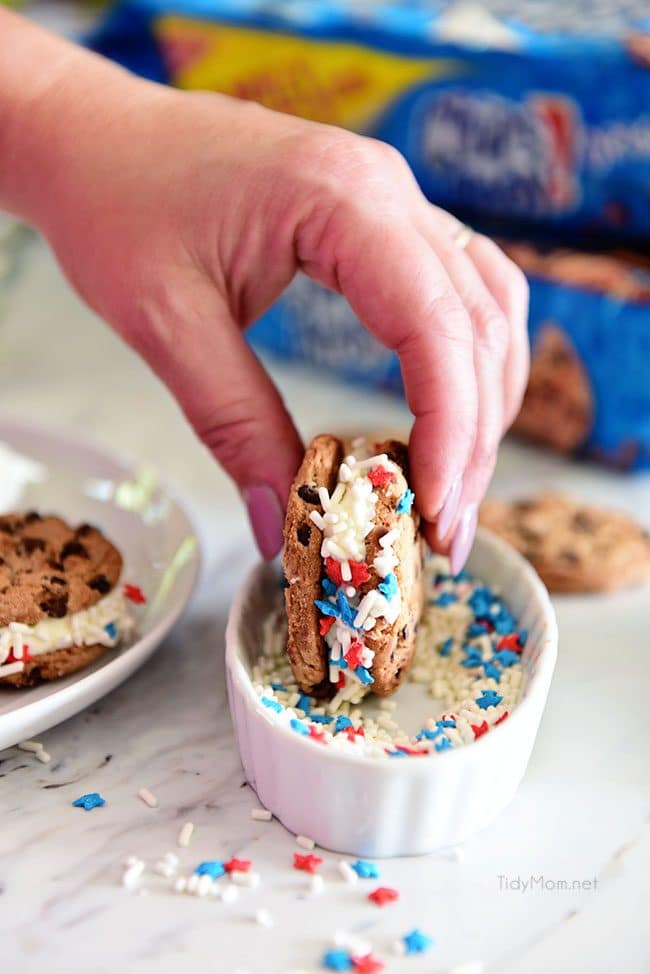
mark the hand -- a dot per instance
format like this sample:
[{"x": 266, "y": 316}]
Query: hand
[{"x": 181, "y": 217}]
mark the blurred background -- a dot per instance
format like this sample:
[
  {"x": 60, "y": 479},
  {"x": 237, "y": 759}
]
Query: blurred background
[{"x": 501, "y": 111}]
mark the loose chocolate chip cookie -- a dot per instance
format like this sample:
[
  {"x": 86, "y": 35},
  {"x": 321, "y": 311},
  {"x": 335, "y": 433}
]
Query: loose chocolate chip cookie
[
  {"x": 392, "y": 643},
  {"x": 574, "y": 547},
  {"x": 49, "y": 570}
]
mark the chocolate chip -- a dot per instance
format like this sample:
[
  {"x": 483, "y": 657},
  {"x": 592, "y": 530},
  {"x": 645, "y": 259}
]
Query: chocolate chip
[
  {"x": 56, "y": 565},
  {"x": 100, "y": 584},
  {"x": 29, "y": 545},
  {"x": 73, "y": 548},
  {"x": 570, "y": 557},
  {"x": 32, "y": 516},
  {"x": 84, "y": 529},
  {"x": 404, "y": 633},
  {"x": 582, "y": 522},
  {"x": 7, "y": 527},
  {"x": 308, "y": 494},
  {"x": 304, "y": 534},
  {"x": 55, "y": 606},
  {"x": 57, "y": 580}
]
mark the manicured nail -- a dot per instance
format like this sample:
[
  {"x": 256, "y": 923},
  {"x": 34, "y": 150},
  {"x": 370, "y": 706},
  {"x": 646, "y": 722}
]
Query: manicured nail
[
  {"x": 449, "y": 508},
  {"x": 266, "y": 517},
  {"x": 463, "y": 538}
]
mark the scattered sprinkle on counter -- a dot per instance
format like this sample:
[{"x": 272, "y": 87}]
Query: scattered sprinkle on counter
[
  {"x": 185, "y": 835},
  {"x": 417, "y": 942},
  {"x": 365, "y": 869},
  {"x": 308, "y": 863},
  {"x": 261, "y": 814},
  {"x": 92, "y": 800},
  {"x": 148, "y": 798},
  {"x": 383, "y": 895}
]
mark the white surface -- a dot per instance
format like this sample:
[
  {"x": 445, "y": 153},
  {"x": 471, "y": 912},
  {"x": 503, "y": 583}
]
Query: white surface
[
  {"x": 411, "y": 806},
  {"x": 52, "y": 473},
  {"x": 581, "y": 811}
]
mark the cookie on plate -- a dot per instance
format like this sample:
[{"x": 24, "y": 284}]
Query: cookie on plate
[
  {"x": 352, "y": 564},
  {"x": 60, "y": 604},
  {"x": 574, "y": 547}
]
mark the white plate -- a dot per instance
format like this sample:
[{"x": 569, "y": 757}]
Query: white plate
[{"x": 59, "y": 474}]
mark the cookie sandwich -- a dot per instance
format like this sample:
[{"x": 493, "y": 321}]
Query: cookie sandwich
[
  {"x": 352, "y": 565},
  {"x": 61, "y": 604}
]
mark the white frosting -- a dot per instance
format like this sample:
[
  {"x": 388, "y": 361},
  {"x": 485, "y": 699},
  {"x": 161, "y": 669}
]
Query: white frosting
[
  {"x": 346, "y": 520},
  {"x": 85, "y": 628}
]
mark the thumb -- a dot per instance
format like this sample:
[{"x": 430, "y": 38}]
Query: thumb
[{"x": 229, "y": 399}]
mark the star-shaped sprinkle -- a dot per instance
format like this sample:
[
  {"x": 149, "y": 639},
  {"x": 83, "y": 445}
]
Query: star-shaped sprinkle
[
  {"x": 445, "y": 649},
  {"x": 308, "y": 863},
  {"x": 354, "y": 654},
  {"x": 506, "y": 657},
  {"x": 363, "y": 675},
  {"x": 304, "y": 703},
  {"x": 510, "y": 641},
  {"x": 445, "y": 599},
  {"x": 134, "y": 594},
  {"x": 325, "y": 624},
  {"x": 417, "y": 942},
  {"x": 479, "y": 729},
  {"x": 342, "y": 722},
  {"x": 337, "y": 960},
  {"x": 299, "y": 726},
  {"x": 405, "y": 503},
  {"x": 213, "y": 868},
  {"x": 272, "y": 704},
  {"x": 490, "y": 670},
  {"x": 488, "y": 698},
  {"x": 316, "y": 734},
  {"x": 383, "y": 895},
  {"x": 92, "y": 800},
  {"x": 359, "y": 572},
  {"x": 367, "y": 964},
  {"x": 365, "y": 869},
  {"x": 501, "y": 718},
  {"x": 352, "y": 733},
  {"x": 381, "y": 477},
  {"x": 388, "y": 587},
  {"x": 236, "y": 865},
  {"x": 443, "y": 744}
]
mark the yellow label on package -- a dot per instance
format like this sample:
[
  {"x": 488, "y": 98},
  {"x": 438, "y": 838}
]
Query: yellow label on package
[{"x": 327, "y": 81}]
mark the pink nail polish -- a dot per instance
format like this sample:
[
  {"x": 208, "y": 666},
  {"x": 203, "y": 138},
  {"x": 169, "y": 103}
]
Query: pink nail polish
[
  {"x": 463, "y": 538},
  {"x": 449, "y": 508},
  {"x": 266, "y": 517}
]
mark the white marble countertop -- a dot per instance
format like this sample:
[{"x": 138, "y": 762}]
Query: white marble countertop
[{"x": 582, "y": 812}]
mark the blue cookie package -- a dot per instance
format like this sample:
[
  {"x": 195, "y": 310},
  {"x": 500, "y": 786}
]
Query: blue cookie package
[{"x": 533, "y": 112}]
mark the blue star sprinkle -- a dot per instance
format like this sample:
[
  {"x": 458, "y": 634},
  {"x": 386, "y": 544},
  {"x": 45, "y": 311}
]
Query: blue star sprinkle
[
  {"x": 445, "y": 649},
  {"x": 476, "y": 629},
  {"x": 490, "y": 670},
  {"x": 488, "y": 699},
  {"x": 272, "y": 704},
  {"x": 340, "y": 662},
  {"x": 417, "y": 942},
  {"x": 446, "y": 598},
  {"x": 92, "y": 800},
  {"x": 278, "y": 686},
  {"x": 506, "y": 657},
  {"x": 321, "y": 719},
  {"x": 389, "y": 586},
  {"x": 396, "y": 754},
  {"x": 523, "y": 636},
  {"x": 446, "y": 723},
  {"x": 341, "y": 723},
  {"x": 346, "y": 613},
  {"x": 111, "y": 630},
  {"x": 328, "y": 586},
  {"x": 211, "y": 867},
  {"x": 443, "y": 744},
  {"x": 365, "y": 869},
  {"x": 304, "y": 703},
  {"x": 327, "y": 608},
  {"x": 299, "y": 726},
  {"x": 405, "y": 503},
  {"x": 426, "y": 734},
  {"x": 337, "y": 960},
  {"x": 363, "y": 675}
]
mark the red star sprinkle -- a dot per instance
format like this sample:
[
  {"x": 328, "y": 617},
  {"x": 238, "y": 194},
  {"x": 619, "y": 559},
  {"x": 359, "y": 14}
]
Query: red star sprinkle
[
  {"x": 318, "y": 735},
  {"x": 358, "y": 570},
  {"x": 511, "y": 641},
  {"x": 353, "y": 655},
  {"x": 341, "y": 681},
  {"x": 480, "y": 729},
  {"x": 367, "y": 964},
  {"x": 380, "y": 477},
  {"x": 353, "y": 732},
  {"x": 12, "y": 658},
  {"x": 308, "y": 863},
  {"x": 325, "y": 624},
  {"x": 502, "y": 717},
  {"x": 134, "y": 593},
  {"x": 236, "y": 865},
  {"x": 383, "y": 895}
]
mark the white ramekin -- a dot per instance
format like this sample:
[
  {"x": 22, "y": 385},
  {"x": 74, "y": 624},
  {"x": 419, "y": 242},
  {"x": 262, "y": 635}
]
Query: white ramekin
[{"x": 374, "y": 807}]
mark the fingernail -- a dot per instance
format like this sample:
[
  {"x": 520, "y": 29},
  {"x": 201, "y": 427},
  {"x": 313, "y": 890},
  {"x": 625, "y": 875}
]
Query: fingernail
[
  {"x": 449, "y": 508},
  {"x": 463, "y": 538},
  {"x": 266, "y": 517}
]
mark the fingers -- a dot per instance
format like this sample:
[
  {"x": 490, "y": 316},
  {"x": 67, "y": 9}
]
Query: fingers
[
  {"x": 401, "y": 292},
  {"x": 228, "y": 398}
]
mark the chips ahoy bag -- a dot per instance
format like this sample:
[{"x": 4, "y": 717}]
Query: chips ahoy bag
[{"x": 538, "y": 113}]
